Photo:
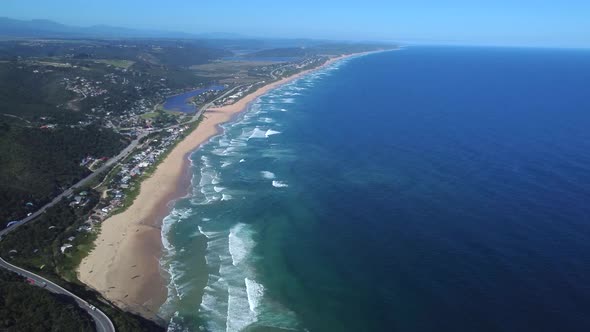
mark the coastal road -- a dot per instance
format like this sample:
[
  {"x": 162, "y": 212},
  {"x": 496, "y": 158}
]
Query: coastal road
[
  {"x": 103, "y": 323},
  {"x": 79, "y": 184}
]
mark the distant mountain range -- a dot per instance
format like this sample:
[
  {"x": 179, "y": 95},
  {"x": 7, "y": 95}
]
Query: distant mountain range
[{"x": 12, "y": 28}]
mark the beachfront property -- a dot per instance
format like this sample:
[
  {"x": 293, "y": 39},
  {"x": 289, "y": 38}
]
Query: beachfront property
[{"x": 130, "y": 171}]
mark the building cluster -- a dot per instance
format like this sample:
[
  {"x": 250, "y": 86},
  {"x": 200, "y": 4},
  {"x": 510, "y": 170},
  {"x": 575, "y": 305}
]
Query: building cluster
[
  {"x": 92, "y": 163},
  {"x": 76, "y": 201},
  {"x": 115, "y": 110},
  {"x": 132, "y": 117},
  {"x": 237, "y": 94},
  {"x": 208, "y": 95},
  {"x": 84, "y": 87},
  {"x": 129, "y": 172}
]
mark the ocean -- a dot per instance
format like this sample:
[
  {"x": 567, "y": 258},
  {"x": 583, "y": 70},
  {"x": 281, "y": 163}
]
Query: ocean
[{"x": 425, "y": 189}]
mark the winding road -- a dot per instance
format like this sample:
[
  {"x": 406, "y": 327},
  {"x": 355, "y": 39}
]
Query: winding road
[
  {"x": 79, "y": 184},
  {"x": 103, "y": 323}
]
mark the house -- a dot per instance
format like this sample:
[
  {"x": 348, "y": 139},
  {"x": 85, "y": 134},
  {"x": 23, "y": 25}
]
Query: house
[
  {"x": 84, "y": 229},
  {"x": 64, "y": 247}
]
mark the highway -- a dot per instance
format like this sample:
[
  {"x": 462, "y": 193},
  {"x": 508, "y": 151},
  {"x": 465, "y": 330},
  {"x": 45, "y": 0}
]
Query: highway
[{"x": 103, "y": 323}]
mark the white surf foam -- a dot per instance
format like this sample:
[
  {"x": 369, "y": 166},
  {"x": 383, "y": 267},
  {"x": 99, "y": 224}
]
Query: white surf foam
[
  {"x": 268, "y": 175},
  {"x": 271, "y": 132},
  {"x": 208, "y": 235},
  {"x": 223, "y": 142},
  {"x": 259, "y": 133},
  {"x": 240, "y": 243},
  {"x": 255, "y": 292},
  {"x": 279, "y": 184},
  {"x": 239, "y": 314},
  {"x": 226, "y": 197},
  {"x": 229, "y": 301}
]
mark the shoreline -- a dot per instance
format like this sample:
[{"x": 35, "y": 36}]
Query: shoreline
[{"x": 125, "y": 265}]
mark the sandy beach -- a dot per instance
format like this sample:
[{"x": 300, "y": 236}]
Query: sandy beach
[{"x": 124, "y": 266}]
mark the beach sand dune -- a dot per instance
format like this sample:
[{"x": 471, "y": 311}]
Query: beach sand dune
[{"x": 124, "y": 266}]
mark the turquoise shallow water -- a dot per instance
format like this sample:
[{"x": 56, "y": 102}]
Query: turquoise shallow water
[{"x": 429, "y": 189}]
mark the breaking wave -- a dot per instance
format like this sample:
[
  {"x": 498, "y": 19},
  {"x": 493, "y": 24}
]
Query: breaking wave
[
  {"x": 258, "y": 133},
  {"x": 268, "y": 175},
  {"x": 279, "y": 184},
  {"x": 234, "y": 297}
]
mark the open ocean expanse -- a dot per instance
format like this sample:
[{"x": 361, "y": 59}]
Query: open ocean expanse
[{"x": 426, "y": 189}]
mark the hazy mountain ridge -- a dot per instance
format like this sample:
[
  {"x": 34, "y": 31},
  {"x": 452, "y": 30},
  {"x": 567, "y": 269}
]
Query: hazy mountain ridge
[{"x": 39, "y": 28}]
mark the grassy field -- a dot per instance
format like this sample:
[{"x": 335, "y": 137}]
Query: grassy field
[
  {"x": 230, "y": 71},
  {"x": 149, "y": 115},
  {"x": 117, "y": 63},
  {"x": 53, "y": 64}
]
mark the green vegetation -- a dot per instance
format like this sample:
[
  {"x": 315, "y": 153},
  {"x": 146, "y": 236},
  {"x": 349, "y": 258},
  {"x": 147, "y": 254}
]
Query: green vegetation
[
  {"x": 24, "y": 307},
  {"x": 30, "y": 95},
  {"x": 37, "y": 164},
  {"x": 117, "y": 63},
  {"x": 161, "y": 118},
  {"x": 174, "y": 53},
  {"x": 36, "y": 246},
  {"x": 149, "y": 115},
  {"x": 317, "y": 49}
]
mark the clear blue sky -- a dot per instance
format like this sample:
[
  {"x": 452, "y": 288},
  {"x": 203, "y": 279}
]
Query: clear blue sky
[{"x": 501, "y": 22}]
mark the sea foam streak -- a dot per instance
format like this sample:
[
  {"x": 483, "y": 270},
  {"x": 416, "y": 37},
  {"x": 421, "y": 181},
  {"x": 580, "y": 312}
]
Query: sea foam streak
[
  {"x": 240, "y": 243},
  {"x": 258, "y": 133},
  {"x": 268, "y": 175},
  {"x": 279, "y": 184},
  {"x": 230, "y": 299},
  {"x": 255, "y": 292},
  {"x": 233, "y": 298}
]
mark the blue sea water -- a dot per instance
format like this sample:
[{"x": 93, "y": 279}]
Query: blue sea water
[
  {"x": 181, "y": 102},
  {"x": 427, "y": 189}
]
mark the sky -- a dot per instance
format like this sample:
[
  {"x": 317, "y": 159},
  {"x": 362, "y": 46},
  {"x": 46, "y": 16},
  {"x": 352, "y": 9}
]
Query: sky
[{"x": 559, "y": 23}]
